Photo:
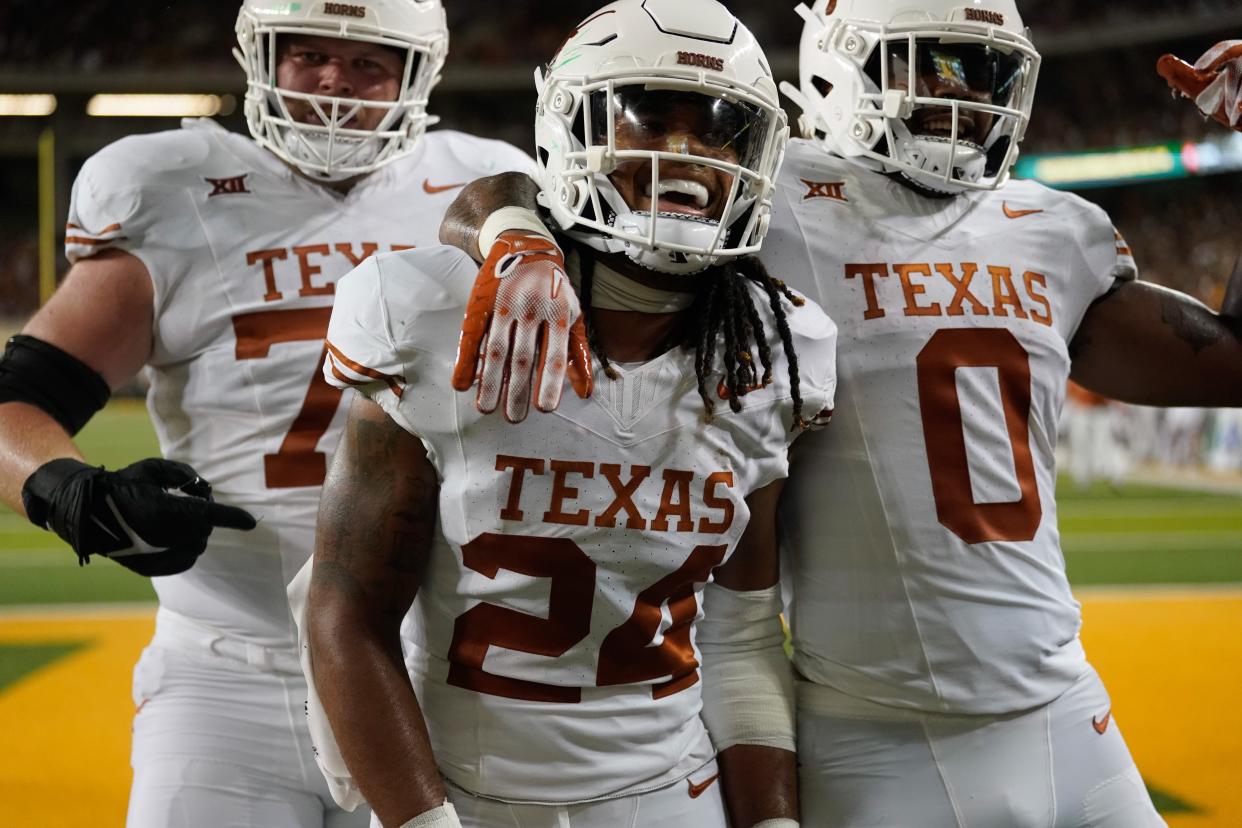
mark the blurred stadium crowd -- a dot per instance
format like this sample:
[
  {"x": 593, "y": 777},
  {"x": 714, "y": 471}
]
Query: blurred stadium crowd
[
  {"x": 1103, "y": 440},
  {"x": 1097, "y": 90},
  {"x": 160, "y": 34}
]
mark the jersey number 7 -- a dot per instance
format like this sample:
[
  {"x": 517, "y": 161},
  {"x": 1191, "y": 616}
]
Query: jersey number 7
[{"x": 298, "y": 462}]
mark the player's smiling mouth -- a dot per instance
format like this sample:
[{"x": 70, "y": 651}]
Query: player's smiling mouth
[
  {"x": 690, "y": 191},
  {"x": 938, "y": 123},
  {"x": 679, "y": 192}
]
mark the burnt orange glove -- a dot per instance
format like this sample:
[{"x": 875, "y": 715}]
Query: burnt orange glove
[
  {"x": 523, "y": 326},
  {"x": 1214, "y": 83}
]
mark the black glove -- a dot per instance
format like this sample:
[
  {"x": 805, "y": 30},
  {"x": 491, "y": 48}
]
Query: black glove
[{"x": 153, "y": 517}]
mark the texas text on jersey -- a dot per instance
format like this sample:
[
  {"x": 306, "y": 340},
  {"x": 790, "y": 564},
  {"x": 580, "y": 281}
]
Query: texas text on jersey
[
  {"x": 551, "y": 643},
  {"x": 955, "y": 316},
  {"x": 243, "y": 293}
]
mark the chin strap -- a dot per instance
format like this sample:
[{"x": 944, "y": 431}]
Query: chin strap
[
  {"x": 612, "y": 291},
  {"x": 920, "y": 186}
]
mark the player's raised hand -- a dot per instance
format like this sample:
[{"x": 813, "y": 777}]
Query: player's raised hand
[
  {"x": 153, "y": 516},
  {"x": 523, "y": 327},
  {"x": 1214, "y": 83}
]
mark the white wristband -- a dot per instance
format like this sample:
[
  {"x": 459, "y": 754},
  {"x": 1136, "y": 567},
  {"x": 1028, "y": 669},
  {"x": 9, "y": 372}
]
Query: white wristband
[
  {"x": 748, "y": 686},
  {"x": 776, "y": 823},
  {"x": 510, "y": 218},
  {"x": 444, "y": 816}
]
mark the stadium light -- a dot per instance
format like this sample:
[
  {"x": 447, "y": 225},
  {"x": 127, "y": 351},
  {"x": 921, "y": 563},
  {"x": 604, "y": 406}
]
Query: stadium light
[
  {"x": 1132, "y": 165},
  {"x": 32, "y": 106},
  {"x": 154, "y": 106}
]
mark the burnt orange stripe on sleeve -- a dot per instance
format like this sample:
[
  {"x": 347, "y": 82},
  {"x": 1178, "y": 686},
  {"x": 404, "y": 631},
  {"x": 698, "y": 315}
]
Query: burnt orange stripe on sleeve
[
  {"x": 111, "y": 228},
  {"x": 93, "y": 242},
  {"x": 394, "y": 382},
  {"x": 336, "y": 372}
]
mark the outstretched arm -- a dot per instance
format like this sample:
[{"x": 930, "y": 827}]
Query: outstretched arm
[
  {"x": 93, "y": 336},
  {"x": 1149, "y": 345},
  {"x": 376, "y": 520},
  {"x": 101, "y": 316},
  {"x": 477, "y": 201},
  {"x": 523, "y": 332},
  {"x": 747, "y": 678}
]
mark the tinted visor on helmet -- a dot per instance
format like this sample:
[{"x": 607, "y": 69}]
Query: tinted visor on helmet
[
  {"x": 716, "y": 137},
  {"x": 972, "y": 73},
  {"x": 985, "y": 74}
]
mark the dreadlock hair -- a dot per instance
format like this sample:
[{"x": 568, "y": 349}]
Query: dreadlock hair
[{"x": 723, "y": 312}]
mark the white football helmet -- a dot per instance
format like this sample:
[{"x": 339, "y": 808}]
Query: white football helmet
[
  {"x": 659, "y": 133},
  {"x": 330, "y": 150},
  {"x": 938, "y": 90}
]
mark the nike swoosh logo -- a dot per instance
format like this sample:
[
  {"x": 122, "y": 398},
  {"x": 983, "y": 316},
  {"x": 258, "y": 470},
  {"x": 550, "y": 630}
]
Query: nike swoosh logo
[
  {"x": 1101, "y": 725},
  {"x": 432, "y": 189},
  {"x": 1013, "y": 214},
  {"x": 138, "y": 545},
  {"x": 697, "y": 790},
  {"x": 107, "y": 529}
]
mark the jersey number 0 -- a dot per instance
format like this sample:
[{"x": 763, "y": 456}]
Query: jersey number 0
[{"x": 944, "y": 432}]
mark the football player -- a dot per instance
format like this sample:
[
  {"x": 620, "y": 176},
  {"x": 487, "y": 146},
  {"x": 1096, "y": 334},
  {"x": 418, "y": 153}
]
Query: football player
[
  {"x": 945, "y": 682},
  {"x": 560, "y": 564},
  {"x": 211, "y": 259}
]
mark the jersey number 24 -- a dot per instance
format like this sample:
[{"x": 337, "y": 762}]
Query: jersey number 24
[{"x": 626, "y": 655}]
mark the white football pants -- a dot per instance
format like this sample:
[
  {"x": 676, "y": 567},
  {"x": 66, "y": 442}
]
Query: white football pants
[
  {"x": 1064, "y": 765},
  {"x": 694, "y": 802},
  {"x": 223, "y": 743}
]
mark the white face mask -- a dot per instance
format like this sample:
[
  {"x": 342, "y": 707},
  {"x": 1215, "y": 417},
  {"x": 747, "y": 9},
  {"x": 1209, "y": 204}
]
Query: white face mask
[
  {"x": 659, "y": 134},
  {"x": 330, "y": 150},
  {"x": 679, "y": 191}
]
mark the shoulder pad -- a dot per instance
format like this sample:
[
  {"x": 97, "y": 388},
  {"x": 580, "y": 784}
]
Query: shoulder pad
[{"x": 143, "y": 160}]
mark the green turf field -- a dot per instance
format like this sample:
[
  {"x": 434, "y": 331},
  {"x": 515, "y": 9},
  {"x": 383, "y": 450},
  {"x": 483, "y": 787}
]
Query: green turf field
[
  {"x": 36, "y": 567},
  {"x": 1126, "y": 535},
  {"x": 1113, "y": 537}
]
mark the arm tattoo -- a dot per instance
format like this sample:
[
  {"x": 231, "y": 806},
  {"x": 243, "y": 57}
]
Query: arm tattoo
[
  {"x": 1193, "y": 324},
  {"x": 377, "y": 519},
  {"x": 478, "y": 200}
]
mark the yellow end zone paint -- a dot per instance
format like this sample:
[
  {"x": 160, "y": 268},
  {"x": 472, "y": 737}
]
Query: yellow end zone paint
[
  {"x": 66, "y": 727},
  {"x": 1172, "y": 662},
  {"x": 1171, "y": 658}
]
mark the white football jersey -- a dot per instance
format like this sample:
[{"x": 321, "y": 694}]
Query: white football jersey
[
  {"x": 552, "y": 643},
  {"x": 926, "y": 563},
  {"x": 243, "y": 254}
]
